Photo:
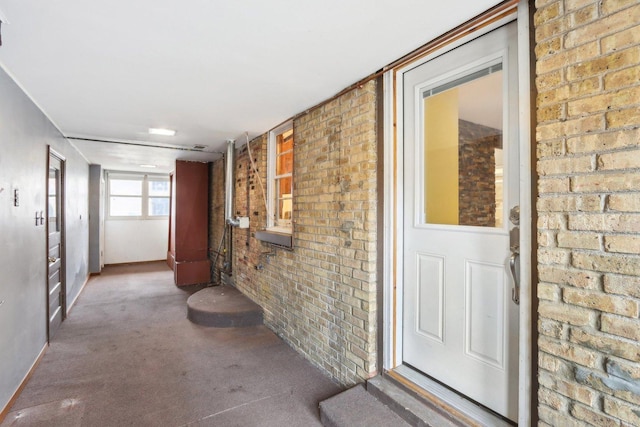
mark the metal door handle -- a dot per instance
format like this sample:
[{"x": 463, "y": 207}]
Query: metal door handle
[
  {"x": 52, "y": 259},
  {"x": 515, "y": 292}
]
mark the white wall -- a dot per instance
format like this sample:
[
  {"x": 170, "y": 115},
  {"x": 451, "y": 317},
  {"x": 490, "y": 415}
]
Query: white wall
[{"x": 127, "y": 240}]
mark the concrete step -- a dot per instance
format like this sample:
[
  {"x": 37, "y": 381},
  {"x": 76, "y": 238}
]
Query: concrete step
[
  {"x": 382, "y": 403},
  {"x": 415, "y": 411},
  {"x": 223, "y": 307},
  {"x": 357, "y": 408}
]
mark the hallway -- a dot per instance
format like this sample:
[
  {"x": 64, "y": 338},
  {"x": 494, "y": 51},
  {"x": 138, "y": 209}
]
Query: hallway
[{"x": 127, "y": 355}]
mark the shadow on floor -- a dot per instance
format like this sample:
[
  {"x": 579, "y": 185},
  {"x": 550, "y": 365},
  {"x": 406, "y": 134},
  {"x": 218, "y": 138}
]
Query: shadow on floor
[{"x": 128, "y": 356}]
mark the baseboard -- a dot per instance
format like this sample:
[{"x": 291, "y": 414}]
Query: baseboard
[
  {"x": 150, "y": 261},
  {"x": 23, "y": 383},
  {"x": 78, "y": 294}
]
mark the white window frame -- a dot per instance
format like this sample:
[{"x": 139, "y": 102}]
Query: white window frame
[
  {"x": 144, "y": 179},
  {"x": 272, "y": 225}
]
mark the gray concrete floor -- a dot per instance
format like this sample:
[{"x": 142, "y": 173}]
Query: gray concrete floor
[{"x": 128, "y": 356}]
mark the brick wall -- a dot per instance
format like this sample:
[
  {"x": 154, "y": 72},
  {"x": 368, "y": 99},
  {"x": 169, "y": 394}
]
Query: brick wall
[
  {"x": 247, "y": 251},
  {"x": 320, "y": 296},
  {"x": 588, "y": 159},
  {"x": 477, "y": 173}
]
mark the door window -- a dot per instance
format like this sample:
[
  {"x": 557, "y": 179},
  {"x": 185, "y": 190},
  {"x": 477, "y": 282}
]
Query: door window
[
  {"x": 53, "y": 200},
  {"x": 462, "y": 134}
]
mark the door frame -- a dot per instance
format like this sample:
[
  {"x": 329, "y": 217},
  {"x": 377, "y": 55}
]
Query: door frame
[
  {"x": 392, "y": 277},
  {"x": 63, "y": 273}
]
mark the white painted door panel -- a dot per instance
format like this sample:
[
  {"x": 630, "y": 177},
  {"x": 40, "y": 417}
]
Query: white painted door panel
[{"x": 460, "y": 323}]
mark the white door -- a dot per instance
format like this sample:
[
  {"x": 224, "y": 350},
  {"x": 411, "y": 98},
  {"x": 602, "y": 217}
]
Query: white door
[{"x": 460, "y": 183}]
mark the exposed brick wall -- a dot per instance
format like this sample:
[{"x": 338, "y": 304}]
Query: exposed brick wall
[
  {"x": 320, "y": 296},
  {"x": 249, "y": 202},
  {"x": 477, "y": 173},
  {"x": 588, "y": 159}
]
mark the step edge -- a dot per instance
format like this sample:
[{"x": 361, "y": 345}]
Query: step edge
[
  {"x": 416, "y": 411},
  {"x": 328, "y": 418},
  {"x": 225, "y": 320}
]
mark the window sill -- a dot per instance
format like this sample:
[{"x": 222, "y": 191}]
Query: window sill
[{"x": 276, "y": 238}]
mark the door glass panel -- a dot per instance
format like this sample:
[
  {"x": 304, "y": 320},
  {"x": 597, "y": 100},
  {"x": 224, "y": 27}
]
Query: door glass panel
[
  {"x": 462, "y": 122},
  {"x": 52, "y": 204}
]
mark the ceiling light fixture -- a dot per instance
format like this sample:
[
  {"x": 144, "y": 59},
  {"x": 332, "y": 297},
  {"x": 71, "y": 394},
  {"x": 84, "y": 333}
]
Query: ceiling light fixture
[
  {"x": 163, "y": 132},
  {"x": 148, "y": 166}
]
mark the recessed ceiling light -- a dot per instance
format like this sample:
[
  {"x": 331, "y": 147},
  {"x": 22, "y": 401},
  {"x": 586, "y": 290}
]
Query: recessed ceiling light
[
  {"x": 163, "y": 132},
  {"x": 148, "y": 166}
]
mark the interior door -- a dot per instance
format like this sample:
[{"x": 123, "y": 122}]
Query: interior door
[
  {"x": 55, "y": 252},
  {"x": 461, "y": 180}
]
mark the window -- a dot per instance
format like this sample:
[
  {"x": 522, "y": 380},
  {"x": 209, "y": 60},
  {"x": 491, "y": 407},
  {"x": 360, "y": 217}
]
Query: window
[
  {"x": 138, "y": 196},
  {"x": 158, "y": 200},
  {"x": 280, "y": 179}
]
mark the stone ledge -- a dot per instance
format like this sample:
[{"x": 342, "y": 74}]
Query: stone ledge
[
  {"x": 223, "y": 307},
  {"x": 357, "y": 408}
]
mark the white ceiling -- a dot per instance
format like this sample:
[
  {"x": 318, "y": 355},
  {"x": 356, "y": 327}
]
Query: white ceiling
[{"x": 211, "y": 69}]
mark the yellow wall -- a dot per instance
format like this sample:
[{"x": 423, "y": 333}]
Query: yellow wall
[{"x": 441, "y": 157}]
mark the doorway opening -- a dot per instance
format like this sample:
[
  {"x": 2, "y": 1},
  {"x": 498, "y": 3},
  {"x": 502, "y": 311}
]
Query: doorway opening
[
  {"x": 457, "y": 177},
  {"x": 56, "y": 289}
]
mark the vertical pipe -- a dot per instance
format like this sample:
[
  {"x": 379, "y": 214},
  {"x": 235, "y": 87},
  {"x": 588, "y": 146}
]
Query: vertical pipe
[
  {"x": 228, "y": 203},
  {"x": 228, "y": 193}
]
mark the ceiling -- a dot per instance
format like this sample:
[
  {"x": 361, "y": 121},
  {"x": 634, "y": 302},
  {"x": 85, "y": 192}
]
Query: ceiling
[{"x": 212, "y": 70}]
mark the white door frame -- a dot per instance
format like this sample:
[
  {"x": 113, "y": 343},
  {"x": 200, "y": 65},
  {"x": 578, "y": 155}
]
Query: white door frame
[{"x": 393, "y": 206}]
